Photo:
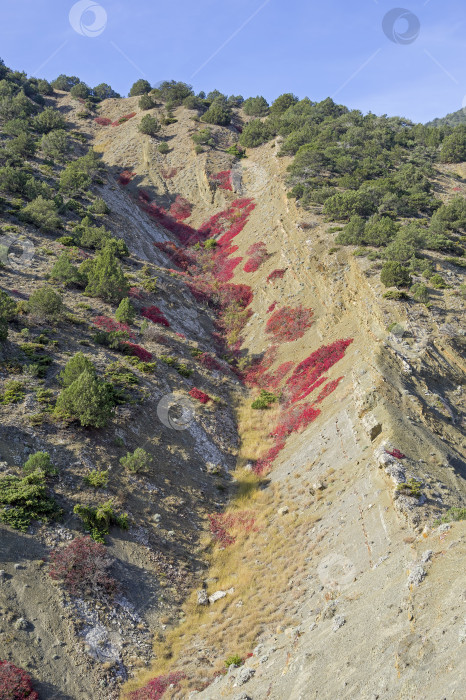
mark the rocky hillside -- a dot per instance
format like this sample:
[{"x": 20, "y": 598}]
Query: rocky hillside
[{"x": 294, "y": 527}]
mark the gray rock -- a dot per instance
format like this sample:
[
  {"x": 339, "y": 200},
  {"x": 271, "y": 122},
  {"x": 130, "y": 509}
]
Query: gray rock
[
  {"x": 338, "y": 621},
  {"x": 21, "y": 624},
  {"x": 416, "y": 575},
  {"x": 244, "y": 675},
  {"x": 283, "y": 510},
  {"x": 202, "y": 598},
  {"x": 242, "y": 696}
]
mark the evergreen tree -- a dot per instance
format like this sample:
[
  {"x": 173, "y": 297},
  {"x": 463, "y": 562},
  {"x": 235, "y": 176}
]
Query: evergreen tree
[
  {"x": 75, "y": 366},
  {"x": 64, "y": 270},
  {"x": 126, "y": 312},
  {"x": 88, "y": 399},
  {"x": 105, "y": 278},
  {"x": 7, "y": 310},
  {"x": 45, "y": 303}
]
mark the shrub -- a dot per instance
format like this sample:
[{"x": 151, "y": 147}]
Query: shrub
[
  {"x": 98, "y": 520},
  {"x": 146, "y": 102},
  {"x": 104, "y": 91},
  {"x": 454, "y": 146},
  {"x": 45, "y": 303},
  {"x": 42, "y": 213},
  {"x": 80, "y": 90},
  {"x": 203, "y": 137},
  {"x": 97, "y": 479},
  {"x": 123, "y": 119},
  {"x": 149, "y": 125},
  {"x": 289, "y": 324},
  {"x": 55, "y": 145},
  {"x": 7, "y": 311},
  {"x": 137, "y": 461},
  {"x": 234, "y": 660},
  {"x": 105, "y": 277},
  {"x": 410, "y": 488},
  {"x": 82, "y": 566},
  {"x": 276, "y": 274},
  {"x": 394, "y": 274},
  {"x": 40, "y": 461},
  {"x": 14, "y": 392},
  {"x": 64, "y": 270},
  {"x": 99, "y": 206},
  {"x": 438, "y": 282},
  {"x": 75, "y": 366},
  {"x": 255, "y": 133},
  {"x": 256, "y": 106},
  {"x": 88, "y": 399},
  {"x": 25, "y": 499},
  {"x": 309, "y": 373},
  {"x": 79, "y": 173},
  {"x": 126, "y": 312},
  {"x": 223, "y": 179},
  {"x": 199, "y": 395},
  {"x": 103, "y": 121},
  {"x": 264, "y": 400},
  {"x": 140, "y": 87},
  {"x": 281, "y": 104},
  {"x": 156, "y": 687},
  {"x": 65, "y": 82},
  {"x": 48, "y": 120},
  {"x": 453, "y": 514},
  {"x": 154, "y": 314},
  {"x": 15, "y": 684},
  {"x": 180, "y": 209},
  {"x": 258, "y": 253},
  {"x": 217, "y": 114},
  {"x": 163, "y": 147},
  {"x": 420, "y": 292},
  {"x": 137, "y": 351},
  {"x": 395, "y": 295}
]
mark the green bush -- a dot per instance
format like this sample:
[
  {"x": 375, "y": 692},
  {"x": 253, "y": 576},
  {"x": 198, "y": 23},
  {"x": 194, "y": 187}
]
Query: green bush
[
  {"x": 64, "y": 271},
  {"x": 105, "y": 277},
  {"x": 420, "y": 292},
  {"x": 163, "y": 148},
  {"x": 104, "y": 91},
  {"x": 137, "y": 461},
  {"x": 438, "y": 282},
  {"x": 40, "y": 461},
  {"x": 23, "y": 146},
  {"x": 256, "y": 106},
  {"x": 14, "y": 392},
  {"x": 23, "y": 500},
  {"x": 264, "y": 400},
  {"x": 410, "y": 488},
  {"x": 146, "y": 102},
  {"x": 42, "y": 213},
  {"x": 79, "y": 173},
  {"x": 7, "y": 312},
  {"x": 55, "y": 145},
  {"x": 91, "y": 236},
  {"x": 98, "y": 520},
  {"x": 217, "y": 114},
  {"x": 80, "y": 90},
  {"x": 65, "y": 82},
  {"x": 45, "y": 303},
  {"x": 126, "y": 312},
  {"x": 203, "y": 137},
  {"x": 454, "y": 146},
  {"x": 453, "y": 514},
  {"x": 75, "y": 366},
  {"x": 149, "y": 125},
  {"x": 255, "y": 133},
  {"x": 281, "y": 104},
  {"x": 394, "y": 274},
  {"x": 140, "y": 87},
  {"x": 48, "y": 120},
  {"x": 99, "y": 206},
  {"x": 234, "y": 660},
  {"x": 88, "y": 400},
  {"x": 97, "y": 479}
]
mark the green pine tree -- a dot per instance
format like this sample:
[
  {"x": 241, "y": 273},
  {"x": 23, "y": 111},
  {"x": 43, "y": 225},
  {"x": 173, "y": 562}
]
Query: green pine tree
[
  {"x": 106, "y": 278},
  {"x": 88, "y": 399},
  {"x": 126, "y": 312}
]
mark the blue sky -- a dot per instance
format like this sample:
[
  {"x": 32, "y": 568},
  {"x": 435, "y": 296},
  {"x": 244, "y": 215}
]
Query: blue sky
[{"x": 250, "y": 47}]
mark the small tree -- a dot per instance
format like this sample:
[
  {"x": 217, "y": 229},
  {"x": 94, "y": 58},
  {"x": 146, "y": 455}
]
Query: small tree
[
  {"x": 126, "y": 311},
  {"x": 420, "y": 292},
  {"x": 149, "y": 125},
  {"x": 75, "y": 366},
  {"x": 23, "y": 146},
  {"x": 163, "y": 148},
  {"x": 256, "y": 106},
  {"x": 104, "y": 91},
  {"x": 64, "y": 271},
  {"x": 55, "y": 144},
  {"x": 7, "y": 310},
  {"x": 99, "y": 206},
  {"x": 41, "y": 461},
  {"x": 140, "y": 87},
  {"x": 394, "y": 274},
  {"x": 105, "y": 277},
  {"x": 45, "y": 303},
  {"x": 138, "y": 461},
  {"x": 146, "y": 102},
  {"x": 65, "y": 82},
  {"x": 217, "y": 114},
  {"x": 48, "y": 120},
  {"x": 80, "y": 90},
  {"x": 42, "y": 213},
  {"x": 88, "y": 399}
]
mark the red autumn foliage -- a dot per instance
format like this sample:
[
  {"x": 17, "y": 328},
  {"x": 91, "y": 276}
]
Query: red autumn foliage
[
  {"x": 258, "y": 253},
  {"x": 260, "y": 365},
  {"x": 294, "y": 419},
  {"x": 123, "y": 119},
  {"x": 228, "y": 223},
  {"x": 224, "y": 268},
  {"x": 328, "y": 389},
  {"x": 223, "y": 179},
  {"x": 135, "y": 293},
  {"x": 240, "y": 294},
  {"x": 289, "y": 323},
  {"x": 180, "y": 209},
  {"x": 183, "y": 232},
  {"x": 272, "y": 307},
  {"x": 263, "y": 465},
  {"x": 154, "y": 314},
  {"x": 168, "y": 173},
  {"x": 15, "y": 684},
  {"x": 220, "y": 523},
  {"x": 303, "y": 379},
  {"x": 156, "y": 688},
  {"x": 275, "y": 275},
  {"x": 199, "y": 395},
  {"x": 272, "y": 380},
  {"x": 124, "y": 178},
  {"x": 104, "y": 323},
  {"x": 396, "y": 453},
  {"x": 83, "y": 565},
  {"x": 143, "y": 195},
  {"x": 209, "y": 362},
  {"x": 137, "y": 351},
  {"x": 179, "y": 256},
  {"x": 103, "y": 121}
]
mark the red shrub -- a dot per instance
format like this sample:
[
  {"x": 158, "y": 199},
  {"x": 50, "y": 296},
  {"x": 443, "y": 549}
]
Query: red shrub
[
  {"x": 274, "y": 379},
  {"x": 272, "y": 307},
  {"x": 209, "y": 361},
  {"x": 103, "y": 121},
  {"x": 276, "y": 274},
  {"x": 109, "y": 325},
  {"x": 264, "y": 465},
  {"x": 294, "y": 419},
  {"x": 168, "y": 173},
  {"x": 199, "y": 395},
  {"x": 123, "y": 119},
  {"x": 82, "y": 566},
  {"x": 310, "y": 370},
  {"x": 15, "y": 684},
  {"x": 177, "y": 255},
  {"x": 258, "y": 253},
  {"x": 223, "y": 179},
  {"x": 155, "y": 689},
  {"x": 135, "y": 293},
  {"x": 240, "y": 294},
  {"x": 125, "y": 177},
  {"x": 289, "y": 324},
  {"x": 137, "y": 351},
  {"x": 260, "y": 365},
  {"x": 328, "y": 389},
  {"x": 180, "y": 209},
  {"x": 396, "y": 453},
  {"x": 220, "y": 523},
  {"x": 224, "y": 267},
  {"x": 154, "y": 314}
]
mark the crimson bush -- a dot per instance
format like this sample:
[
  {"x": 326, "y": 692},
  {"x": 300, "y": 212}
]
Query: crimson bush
[
  {"x": 15, "y": 684},
  {"x": 289, "y": 324},
  {"x": 83, "y": 565}
]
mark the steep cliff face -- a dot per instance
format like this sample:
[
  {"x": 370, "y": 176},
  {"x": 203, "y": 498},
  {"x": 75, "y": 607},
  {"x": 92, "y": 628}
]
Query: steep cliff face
[{"x": 321, "y": 565}]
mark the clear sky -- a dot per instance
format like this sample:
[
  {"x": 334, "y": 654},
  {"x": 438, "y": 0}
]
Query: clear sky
[{"x": 415, "y": 69}]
